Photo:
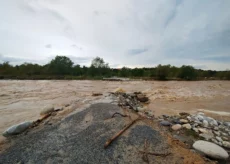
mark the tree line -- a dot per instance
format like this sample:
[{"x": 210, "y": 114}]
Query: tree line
[{"x": 61, "y": 67}]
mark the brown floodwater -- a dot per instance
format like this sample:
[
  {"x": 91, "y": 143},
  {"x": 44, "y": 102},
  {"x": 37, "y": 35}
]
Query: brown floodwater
[{"x": 23, "y": 100}]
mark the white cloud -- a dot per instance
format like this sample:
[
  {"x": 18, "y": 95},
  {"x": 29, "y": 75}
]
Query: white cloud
[{"x": 123, "y": 32}]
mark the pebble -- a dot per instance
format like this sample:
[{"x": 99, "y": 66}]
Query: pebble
[
  {"x": 207, "y": 136},
  {"x": 210, "y": 149},
  {"x": 224, "y": 134},
  {"x": 213, "y": 123},
  {"x": 183, "y": 121},
  {"x": 216, "y": 133},
  {"x": 200, "y": 118},
  {"x": 176, "y": 127},
  {"x": 165, "y": 123},
  {"x": 47, "y": 110},
  {"x": 219, "y": 139},
  {"x": 205, "y": 123},
  {"x": 202, "y": 130},
  {"x": 195, "y": 129},
  {"x": 17, "y": 129},
  {"x": 187, "y": 126},
  {"x": 226, "y": 144},
  {"x": 225, "y": 138}
]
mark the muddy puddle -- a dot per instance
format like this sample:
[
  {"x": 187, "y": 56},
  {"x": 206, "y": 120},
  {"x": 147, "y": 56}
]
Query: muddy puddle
[{"x": 23, "y": 100}]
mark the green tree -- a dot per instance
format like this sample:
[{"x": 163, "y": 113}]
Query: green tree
[
  {"x": 187, "y": 73},
  {"x": 162, "y": 72},
  {"x": 61, "y": 65}
]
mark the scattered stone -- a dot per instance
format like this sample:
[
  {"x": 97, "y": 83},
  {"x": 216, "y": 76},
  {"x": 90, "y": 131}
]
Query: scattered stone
[
  {"x": 165, "y": 123},
  {"x": 210, "y": 149},
  {"x": 187, "y": 126},
  {"x": 47, "y": 110},
  {"x": 225, "y": 138},
  {"x": 216, "y": 128},
  {"x": 207, "y": 136},
  {"x": 17, "y": 129},
  {"x": 199, "y": 118},
  {"x": 216, "y": 133},
  {"x": 195, "y": 129},
  {"x": 205, "y": 123},
  {"x": 219, "y": 139},
  {"x": 202, "y": 130},
  {"x": 213, "y": 123},
  {"x": 142, "y": 98},
  {"x": 226, "y": 144},
  {"x": 227, "y": 124},
  {"x": 119, "y": 90},
  {"x": 141, "y": 109},
  {"x": 224, "y": 134},
  {"x": 58, "y": 108},
  {"x": 176, "y": 127},
  {"x": 183, "y": 121}
]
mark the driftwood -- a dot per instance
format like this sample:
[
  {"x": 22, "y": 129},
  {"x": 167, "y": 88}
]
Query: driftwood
[
  {"x": 109, "y": 141},
  {"x": 123, "y": 115},
  {"x": 35, "y": 123},
  {"x": 97, "y": 94},
  {"x": 145, "y": 154}
]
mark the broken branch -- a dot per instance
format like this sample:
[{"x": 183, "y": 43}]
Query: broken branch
[
  {"x": 119, "y": 133},
  {"x": 123, "y": 115}
]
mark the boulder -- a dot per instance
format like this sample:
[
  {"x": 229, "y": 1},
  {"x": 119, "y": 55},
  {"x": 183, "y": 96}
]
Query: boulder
[
  {"x": 17, "y": 129},
  {"x": 47, "y": 110},
  {"x": 210, "y": 149},
  {"x": 176, "y": 127},
  {"x": 187, "y": 126}
]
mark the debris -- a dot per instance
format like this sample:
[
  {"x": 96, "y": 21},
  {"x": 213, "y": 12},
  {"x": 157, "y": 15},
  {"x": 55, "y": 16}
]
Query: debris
[
  {"x": 123, "y": 115},
  {"x": 97, "y": 94},
  {"x": 109, "y": 141}
]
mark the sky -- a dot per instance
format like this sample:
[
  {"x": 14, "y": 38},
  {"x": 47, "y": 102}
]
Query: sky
[{"x": 131, "y": 33}]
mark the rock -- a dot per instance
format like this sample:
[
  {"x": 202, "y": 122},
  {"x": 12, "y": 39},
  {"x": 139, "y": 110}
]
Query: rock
[
  {"x": 141, "y": 109},
  {"x": 119, "y": 90},
  {"x": 216, "y": 133},
  {"x": 213, "y": 123},
  {"x": 205, "y": 123},
  {"x": 189, "y": 118},
  {"x": 216, "y": 128},
  {"x": 165, "y": 116},
  {"x": 214, "y": 140},
  {"x": 207, "y": 136},
  {"x": 226, "y": 144},
  {"x": 195, "y": 129},
  {"x": 224, "y": 134},
  {"x": 183, "y": 121},
  {"x": 142, "y": 98},
  {"x": 150, "y": 114},
  {"x": 225, "y": 138},
  {"x": 219, "y": 139},
  {"x": 17, "y": 129},
  {"x": 199, "y": 118},
  {"x": 187, "y": 126},
  {"x": 227, "y": 124},
  {"x": 202, "y": 130},
  {"x": 58, "y": 108},
  {"x": 47, "y": 110},
  {"x": 176, "y": 127},
  {"x": 165, "y": 123},
  {"x": 201, "y": 113},
  {"x": 210, "y": 149}
]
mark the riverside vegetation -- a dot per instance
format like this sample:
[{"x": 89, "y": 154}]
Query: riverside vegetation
[{"x": 61, "y": 67}]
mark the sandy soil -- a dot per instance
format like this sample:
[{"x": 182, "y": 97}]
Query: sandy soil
[{"x": 23, "y": 100}]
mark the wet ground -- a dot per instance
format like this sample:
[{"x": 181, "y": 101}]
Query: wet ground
[
  {"x": 23, "y": 100},
  {"x": 80, "y": 138}
]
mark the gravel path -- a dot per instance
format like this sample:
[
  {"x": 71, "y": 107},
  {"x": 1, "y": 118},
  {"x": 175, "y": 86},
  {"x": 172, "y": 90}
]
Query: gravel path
[{"x": 80, "y": 138}]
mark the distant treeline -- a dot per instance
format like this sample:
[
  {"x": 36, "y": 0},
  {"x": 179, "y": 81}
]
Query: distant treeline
[{"x": 63, "y": 68}]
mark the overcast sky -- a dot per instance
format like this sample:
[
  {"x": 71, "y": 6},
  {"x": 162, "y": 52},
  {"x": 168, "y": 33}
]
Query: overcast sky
[{"x": 132, "y": 33}]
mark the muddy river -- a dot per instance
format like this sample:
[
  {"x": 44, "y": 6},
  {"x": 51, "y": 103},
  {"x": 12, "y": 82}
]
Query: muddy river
[{"x": 23, "y": 100}]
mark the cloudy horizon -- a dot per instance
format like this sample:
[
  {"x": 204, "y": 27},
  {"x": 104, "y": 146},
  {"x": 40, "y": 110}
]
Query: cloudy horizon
[{"x": 132, "y": 33}]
